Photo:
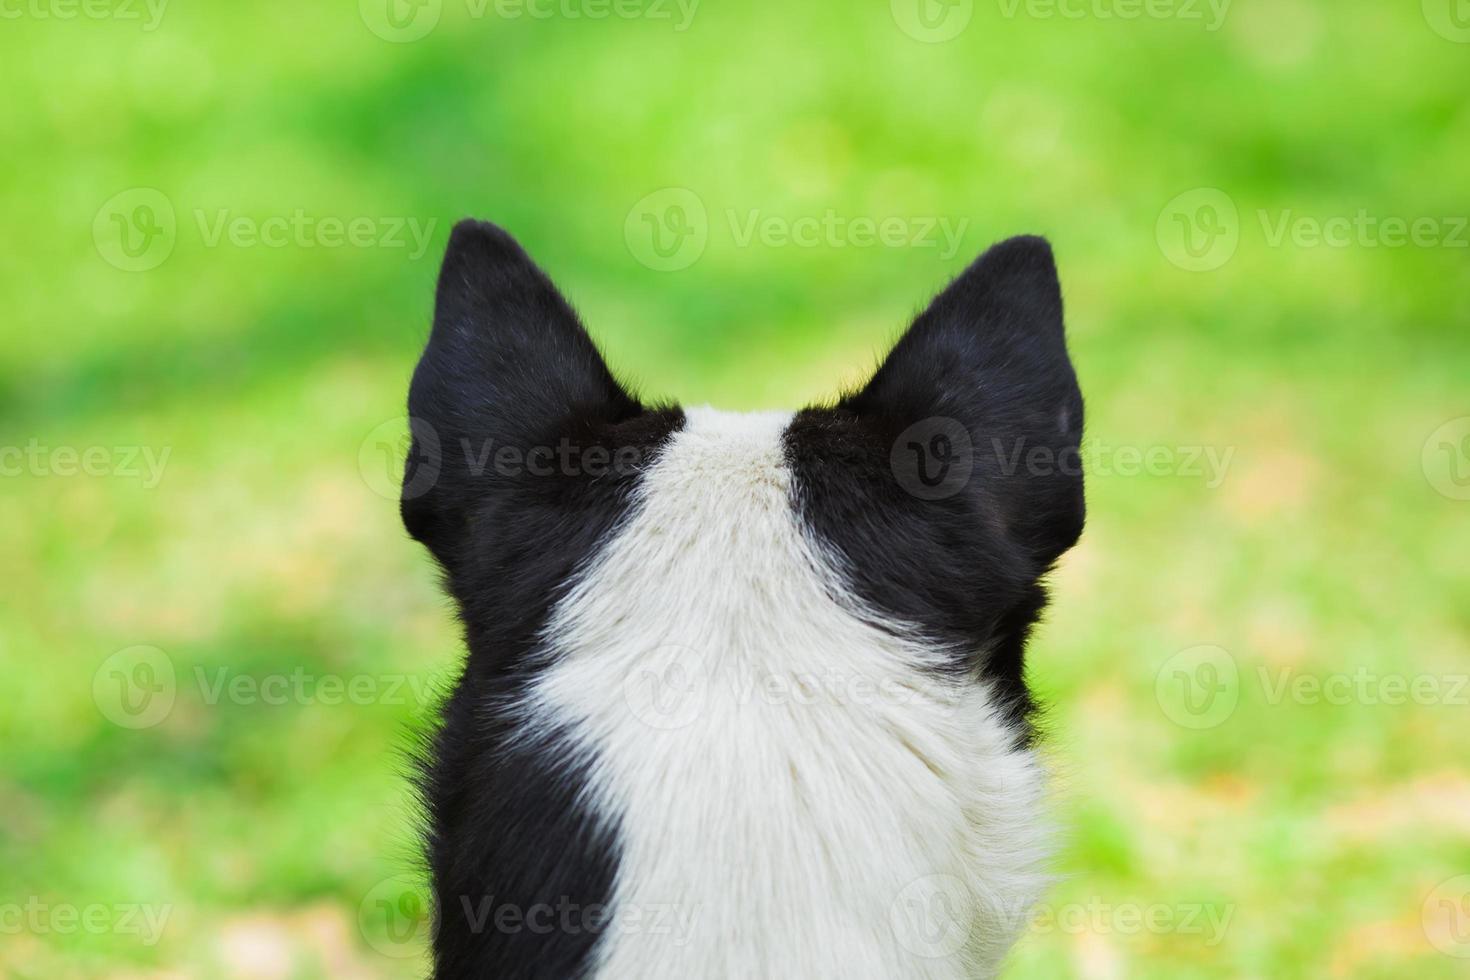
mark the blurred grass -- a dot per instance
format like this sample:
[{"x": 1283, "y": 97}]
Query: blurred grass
[{"x": 264, "y": 829}]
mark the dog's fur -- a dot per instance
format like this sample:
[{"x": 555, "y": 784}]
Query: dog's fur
[{"x": 843, "y": 784}]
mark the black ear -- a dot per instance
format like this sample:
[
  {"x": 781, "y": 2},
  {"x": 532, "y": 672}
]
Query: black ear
[
  {"x": 508, "y": 369},
  {"x": 948, "y": 485},
  {"x": 981, "y": 390}
]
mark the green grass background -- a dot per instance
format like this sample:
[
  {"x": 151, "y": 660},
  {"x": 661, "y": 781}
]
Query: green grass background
[{"x": 265, "y": 831}]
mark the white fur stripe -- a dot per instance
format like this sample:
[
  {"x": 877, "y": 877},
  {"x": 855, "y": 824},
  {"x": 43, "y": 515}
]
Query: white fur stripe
[{"x": 797, "y": 795}]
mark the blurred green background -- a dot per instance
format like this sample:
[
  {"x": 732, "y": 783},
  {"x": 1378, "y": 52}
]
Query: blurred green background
[{"x": 221, "y": 225}]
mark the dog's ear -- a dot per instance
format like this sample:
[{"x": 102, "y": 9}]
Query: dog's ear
[
  {"x": 948, "y": 485},
  {"x": 981, "y": 401},
  {"x": 508, "y": 365}
]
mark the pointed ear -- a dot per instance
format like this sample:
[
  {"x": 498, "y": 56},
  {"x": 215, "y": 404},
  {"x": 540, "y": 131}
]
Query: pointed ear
[
  {"x": 982, "y": 382},
  {"x": 507, "y": 365}
]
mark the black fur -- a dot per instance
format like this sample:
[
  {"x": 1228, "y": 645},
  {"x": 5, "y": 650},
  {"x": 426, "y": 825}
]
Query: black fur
[
  {"x": 986, "y": 364},
  {"x": 509, "y": 368}
]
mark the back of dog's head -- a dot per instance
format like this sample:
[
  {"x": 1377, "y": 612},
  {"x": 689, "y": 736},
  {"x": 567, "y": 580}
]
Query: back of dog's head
[{"x": 764, "y": 670}]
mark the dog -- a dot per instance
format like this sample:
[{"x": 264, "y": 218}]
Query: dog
[{"x": 744, "y": 694}]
